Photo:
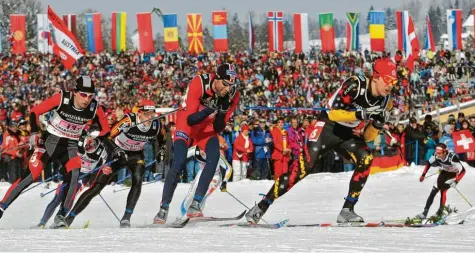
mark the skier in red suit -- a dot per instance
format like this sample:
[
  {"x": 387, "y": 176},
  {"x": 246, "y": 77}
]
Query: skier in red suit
[{"x": 210, "y": 102}]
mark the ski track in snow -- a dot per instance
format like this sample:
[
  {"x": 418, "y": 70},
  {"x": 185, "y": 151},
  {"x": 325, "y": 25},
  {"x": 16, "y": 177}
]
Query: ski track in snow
[{"x": 317, "y": 199}]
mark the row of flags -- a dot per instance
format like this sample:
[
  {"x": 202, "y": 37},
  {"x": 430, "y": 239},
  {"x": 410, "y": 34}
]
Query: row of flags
[{"x": 275, "y": 20}]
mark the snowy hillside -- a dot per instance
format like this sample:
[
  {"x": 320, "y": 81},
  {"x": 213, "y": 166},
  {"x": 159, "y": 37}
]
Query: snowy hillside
[{"x": 318, "y": 199}]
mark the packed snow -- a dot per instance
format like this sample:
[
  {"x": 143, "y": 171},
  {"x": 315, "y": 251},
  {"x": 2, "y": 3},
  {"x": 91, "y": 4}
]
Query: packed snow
[{"x": 317, "y": 199}]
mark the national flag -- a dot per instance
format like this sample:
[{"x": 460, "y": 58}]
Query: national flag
[
  {"x": 352, "y": 31},
  {"x": 118, "y": 33},
  {"x": 327, "y": 32},
  {"x": 94, "y": 32},
  {"x": 376, "y": 30},
  {"x": 144, "y": 28},
  {"x": 301, "y": 32},
  {"x": 195, "y": 33},
  {"x": 463, "y": 141},
  {"x": 170, "y": 25},
  {"x": 252, "y": 36},
  {"x": 65, "y": 44},
  {"x": 429, "y": 40},
  {"x": 70, "y": 20},
  {"x": 402, "y": 17},
  {"x": 18, "y": 33},
  {"x": 454, "y": 29},
  {"x": 44, "y": 38},
  {"x": 411, "y": 44},
  {"x": 275, "y": 26},
  {"x": 220, "y": 30}
]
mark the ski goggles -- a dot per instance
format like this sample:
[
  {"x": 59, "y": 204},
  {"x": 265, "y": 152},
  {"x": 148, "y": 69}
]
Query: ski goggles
[
  {"x": 389, "y": 80},
  {"x": 86, "y": 95},
  {"x": 439, "y": 151}
]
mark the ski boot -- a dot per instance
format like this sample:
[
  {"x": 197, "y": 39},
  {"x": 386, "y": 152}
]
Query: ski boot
[
  {"x": 422, "y": 215},
  {"x": 161, "y": 217},
  {"x": 125, "y": 223},
  {"x": 255, "y": 214},
  {"x": 194, "y": 210},
  {"x": 59, "y": 222},
  {"x": 348, "y": 215}
]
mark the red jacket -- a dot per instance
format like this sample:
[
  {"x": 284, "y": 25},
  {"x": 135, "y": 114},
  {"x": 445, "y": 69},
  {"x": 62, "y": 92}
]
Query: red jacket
[
  {"x": 10, "y": 141},
  {"x": 241, "y": 147},
  {"x": 280, "y": 143}
]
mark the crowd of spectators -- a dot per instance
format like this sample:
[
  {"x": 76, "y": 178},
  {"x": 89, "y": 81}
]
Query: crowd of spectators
[{"x": 266, "y": 79}]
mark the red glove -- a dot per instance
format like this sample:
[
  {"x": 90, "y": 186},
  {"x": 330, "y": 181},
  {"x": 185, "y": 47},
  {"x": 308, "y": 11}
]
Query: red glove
[
  {"x": 422, "y": 178},
  {"x": 107, "y": 170}
]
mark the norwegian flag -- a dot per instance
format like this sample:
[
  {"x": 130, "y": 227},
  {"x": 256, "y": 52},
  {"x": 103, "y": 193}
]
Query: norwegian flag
[
  {"x": 463, "y": 141},
  {"x": 275, "y": 26}
]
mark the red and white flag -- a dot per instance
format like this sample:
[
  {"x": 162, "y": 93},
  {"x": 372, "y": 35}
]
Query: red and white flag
[
  {"x": 301, "y": 32},
  {"x": 70, "y": 21},
  {"x": 65, "y": 44},
  {"x": 412, "y": 45},
  {"x": 275, "y": 26},
  {"x": 463, "y": 141}
]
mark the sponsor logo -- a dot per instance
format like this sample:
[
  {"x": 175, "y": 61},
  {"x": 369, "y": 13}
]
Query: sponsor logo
[{"x": 182, "y": 135}]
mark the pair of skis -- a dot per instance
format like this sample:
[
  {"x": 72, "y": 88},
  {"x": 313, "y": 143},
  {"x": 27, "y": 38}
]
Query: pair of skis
[{"x": 182, "y": 222}]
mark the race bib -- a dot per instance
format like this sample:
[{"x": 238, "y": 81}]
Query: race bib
[
  {"x": 317, "y": 130},
  {"x": 63, "y": 128},
  {"x": 127, "y": 144}
]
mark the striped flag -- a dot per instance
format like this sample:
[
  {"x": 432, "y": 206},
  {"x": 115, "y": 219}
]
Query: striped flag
[
  {"x": 43, "y": 33},
  {"x": 327, "y": 31},
  {"x": 376, "y": 30},
  {"x": 275, "y": 26},
  {"x": 18, "y": 33},
  {"x": 70, "y": 21},
  {"x": 170, "y": 24},
  {"x": 301, "y": 32},
  {"x": 118, "y": 31},
  {"x": 144, "y": 28},
  {"x": 195, "y": 33},
  {"x": 220, "y": 30},
  {"x": 94, "y": 32},
  {"x": 402, "y": 23},
  {"x": 65, "y": 44},
  {"x": 454, "y": 29},
  {"x": 429, "y": 41},
  {"x": 352, "y": 31},
  {"x": 252, "y": 36}
]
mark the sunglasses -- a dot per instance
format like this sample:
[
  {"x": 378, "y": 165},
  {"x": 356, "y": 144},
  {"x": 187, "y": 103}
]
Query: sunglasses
[
  {"x": 86, "y": 95},
  {"x": 389, "y": 80},
  {"x": 110, "y": 119},
  {"x": 227, "y": 83}
]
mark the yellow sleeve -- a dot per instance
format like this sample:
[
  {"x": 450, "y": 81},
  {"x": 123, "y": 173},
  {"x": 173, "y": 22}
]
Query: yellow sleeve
[
  {"x": 370, "y": 133},
  {"x": 339, "y": 115}
]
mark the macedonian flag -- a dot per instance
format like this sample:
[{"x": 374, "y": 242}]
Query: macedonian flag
[{"x": 195, "y": 33}]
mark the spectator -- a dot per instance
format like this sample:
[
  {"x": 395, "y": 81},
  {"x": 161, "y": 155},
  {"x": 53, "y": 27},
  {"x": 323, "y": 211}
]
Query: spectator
[
  {"x": 262, "y": 140},
  {"x": 243, "y": 148},
  {"x": 296, "y": 136},
  {"x": 430, "y": 142},
  {"x": 414, "y": 140},
  {"x": 281, "y": 154},
  {"x": 447, "y": 137},
  {"x": 12, "y": 155},
  {"x": 3, "y": 167}
]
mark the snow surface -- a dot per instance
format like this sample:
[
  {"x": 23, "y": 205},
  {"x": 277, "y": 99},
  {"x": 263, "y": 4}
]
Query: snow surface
[{"x": 317, "y": 199}]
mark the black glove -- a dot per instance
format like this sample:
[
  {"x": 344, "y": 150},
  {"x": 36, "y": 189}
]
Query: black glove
[
  {"x": 120, "y": 155},
  {"x": 223, "y": 187},
  {"x": 379, "y": 119},
  {"x": 224, "y": 104}
]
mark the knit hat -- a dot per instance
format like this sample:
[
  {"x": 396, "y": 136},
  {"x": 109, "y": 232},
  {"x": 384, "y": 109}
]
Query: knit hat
[
  {"x": 245, "y": 128},
  {"x": 447, "y": 128}
]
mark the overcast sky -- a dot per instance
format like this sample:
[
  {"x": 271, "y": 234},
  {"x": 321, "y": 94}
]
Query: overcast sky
[{"x": 242, "y": 7}]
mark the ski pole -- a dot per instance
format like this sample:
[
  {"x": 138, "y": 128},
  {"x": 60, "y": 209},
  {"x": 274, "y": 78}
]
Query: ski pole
[
  {"x": 158, "y": 117},
  {"x": 83, "y": 176},
  {"x": 127, "y": 177},
  {"x": 433, "y": 174},
  {"x": 38, "y": 184},
  {"x": 152, "y": 182},
  {"x": 466, "y": 200},
  {"x": 105, "y": 202},
  {"x": 234, "y": 197}
]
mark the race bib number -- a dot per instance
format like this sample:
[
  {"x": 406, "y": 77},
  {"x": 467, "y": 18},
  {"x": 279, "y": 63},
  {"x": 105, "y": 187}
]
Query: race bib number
[
  {"x": 317, "y": 130},
  {"x": 64, "y": 128}
]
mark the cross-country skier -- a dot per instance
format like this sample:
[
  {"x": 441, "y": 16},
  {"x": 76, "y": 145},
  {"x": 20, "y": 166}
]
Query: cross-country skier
[
  {"x": 221, "y": 176},
  {"x": 210, "y": 101},
  {"x": 71, "y": 111},
  {"x": 128, "y": 138},
  {"x": 452, "y": 171},
  {"x": 93, "y": 154},
  {"x": 359, "y": 99}
]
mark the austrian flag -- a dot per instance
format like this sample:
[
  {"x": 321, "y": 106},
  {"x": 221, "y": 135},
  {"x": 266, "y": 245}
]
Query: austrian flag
[{"x": 65, "y": 44}]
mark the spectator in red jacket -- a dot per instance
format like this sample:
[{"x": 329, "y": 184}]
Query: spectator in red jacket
[
  {"x": 242, "y": 150},
  {"x": 281, "y": 154}
]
